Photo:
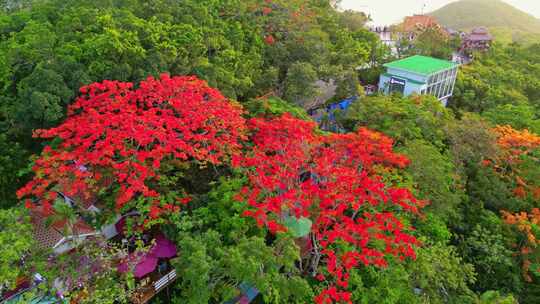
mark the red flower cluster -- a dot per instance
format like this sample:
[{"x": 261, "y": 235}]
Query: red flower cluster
[
  {"x": 116, "y": 138},
  {"x": 516, "y": 146},
  {"x": 293, "y": 171},
  {"x": 118, "y": 135},
  {"x": 269, "y": 39},
  {"x": 266, "y": 10},
  {"x": 529, "y": 248}
]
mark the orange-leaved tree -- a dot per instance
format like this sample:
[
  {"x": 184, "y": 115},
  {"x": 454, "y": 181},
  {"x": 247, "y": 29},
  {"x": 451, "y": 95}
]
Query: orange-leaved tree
[
  {"x": 528, "y": 226},
  {"x": 518, "y": 163}
]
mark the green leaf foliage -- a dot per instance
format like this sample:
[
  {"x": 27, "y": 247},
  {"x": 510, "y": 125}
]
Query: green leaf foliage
[
  {"x": 219, "y": 250},
  {"x": 401, "y": 118},
  {"x": 17, "y": 241}
]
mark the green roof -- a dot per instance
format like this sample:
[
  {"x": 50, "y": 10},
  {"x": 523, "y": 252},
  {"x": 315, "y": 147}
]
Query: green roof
[
  {"x": 421, "y": 65},
  {"x": 408, "y": 79}
]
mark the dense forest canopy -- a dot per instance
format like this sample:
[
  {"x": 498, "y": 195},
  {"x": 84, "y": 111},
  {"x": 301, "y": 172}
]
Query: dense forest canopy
[
  {"x": 192, "y": 115},
  {"x": 244, "y": 48}
]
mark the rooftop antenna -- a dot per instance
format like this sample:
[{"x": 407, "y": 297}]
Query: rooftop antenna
[{"x": 423, "y": 7}]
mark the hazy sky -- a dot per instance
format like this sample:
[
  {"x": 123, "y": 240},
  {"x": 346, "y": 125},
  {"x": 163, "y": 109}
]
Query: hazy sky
[{"x": 390, "y": 11}]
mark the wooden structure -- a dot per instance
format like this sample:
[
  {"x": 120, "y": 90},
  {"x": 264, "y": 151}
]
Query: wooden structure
[
  {"x": 478, "y": 40},
  {"x": 150, "y": 286}
]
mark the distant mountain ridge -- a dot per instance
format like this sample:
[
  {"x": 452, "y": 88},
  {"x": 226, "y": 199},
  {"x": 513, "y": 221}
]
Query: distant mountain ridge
[{"x": 467, "y": 14}]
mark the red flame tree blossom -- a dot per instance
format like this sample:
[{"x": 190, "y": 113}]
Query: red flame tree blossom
[
  {"x": 331, "y": 180},
  {"x": 118, "y": 135},
  {"x": 520, "y": 153},
  {"x": 518, "y": 147},
  {"x": 529, "y": 246}
]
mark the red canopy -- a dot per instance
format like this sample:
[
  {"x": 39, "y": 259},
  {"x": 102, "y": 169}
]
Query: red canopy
[
  {"x": 146, "y": 264},
  {"x": 163, "y": 248}
]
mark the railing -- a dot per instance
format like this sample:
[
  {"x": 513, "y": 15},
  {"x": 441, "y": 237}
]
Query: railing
[
  {"x": 165, "y": 280},
  {"x": 148, "y": 291}
]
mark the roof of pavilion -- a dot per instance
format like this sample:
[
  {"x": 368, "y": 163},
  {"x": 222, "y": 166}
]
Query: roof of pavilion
[{"x": 479, "y": 34}]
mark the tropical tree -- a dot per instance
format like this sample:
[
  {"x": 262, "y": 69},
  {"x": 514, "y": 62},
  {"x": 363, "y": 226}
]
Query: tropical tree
[
  {"x": 326, "y": 189},
  {"x": 12, "y": 160},
  {"x": 116, "y": 138},
  {"x": 435, "y": 42},
  {"x": 435, "y": 177},
  {"x": 518, "y": 117},
  {"x": 16, "y": 235},
  {"x": 415, "y": 118},
  {"x": 223, "y": 250}
]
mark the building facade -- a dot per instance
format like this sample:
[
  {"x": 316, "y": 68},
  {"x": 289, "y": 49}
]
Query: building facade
[
  {"x": 385, "y": 35},
  {"x": 420, "y": 75},
  {"x": 478, "y": 40}
]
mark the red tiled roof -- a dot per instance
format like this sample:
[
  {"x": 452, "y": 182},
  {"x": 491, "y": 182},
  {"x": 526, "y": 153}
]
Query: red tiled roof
[
  {"x": 411, "y": 23},
  {"x": 80, "y": 227},
  {"x": 47, "y": 235}
]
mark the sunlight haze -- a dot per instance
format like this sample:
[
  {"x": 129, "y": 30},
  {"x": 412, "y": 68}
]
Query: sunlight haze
[{"x": 391, "y": 11}]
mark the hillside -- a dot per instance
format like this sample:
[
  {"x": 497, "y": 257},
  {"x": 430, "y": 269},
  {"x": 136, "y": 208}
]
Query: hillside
[{"x": 466, "y": 14}]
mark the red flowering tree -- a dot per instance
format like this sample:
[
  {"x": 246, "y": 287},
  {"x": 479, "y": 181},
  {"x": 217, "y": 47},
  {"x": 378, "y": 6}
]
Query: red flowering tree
[
  {"x": 280, "y": 18},
  {"x": 297, "y": 177},
  {"x": 116, "y": 137},
  {"x": 517, "y": 164},
  {"x": 323, "y": 188},
  {"x": 526, "y": 224}
]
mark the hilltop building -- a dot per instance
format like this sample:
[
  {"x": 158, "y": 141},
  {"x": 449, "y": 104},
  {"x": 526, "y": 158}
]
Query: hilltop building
[
  {"x": 418, "y": 22},
  {"x": 420, "y": 75},
  {"x": 412, "y": 26},
  {"x": 385, "y": 35},
  {"x": 478, "y": 40},
  {"x": 409, "y": 30}
]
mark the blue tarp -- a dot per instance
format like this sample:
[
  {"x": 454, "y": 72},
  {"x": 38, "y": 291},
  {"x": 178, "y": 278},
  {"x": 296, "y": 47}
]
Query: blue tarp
[
  {"x": 249, "y": 291},
  {"x": 330, "y": 123},
  {"x": 248, "y": 294},
  {"x": 342, "y": 105}
]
